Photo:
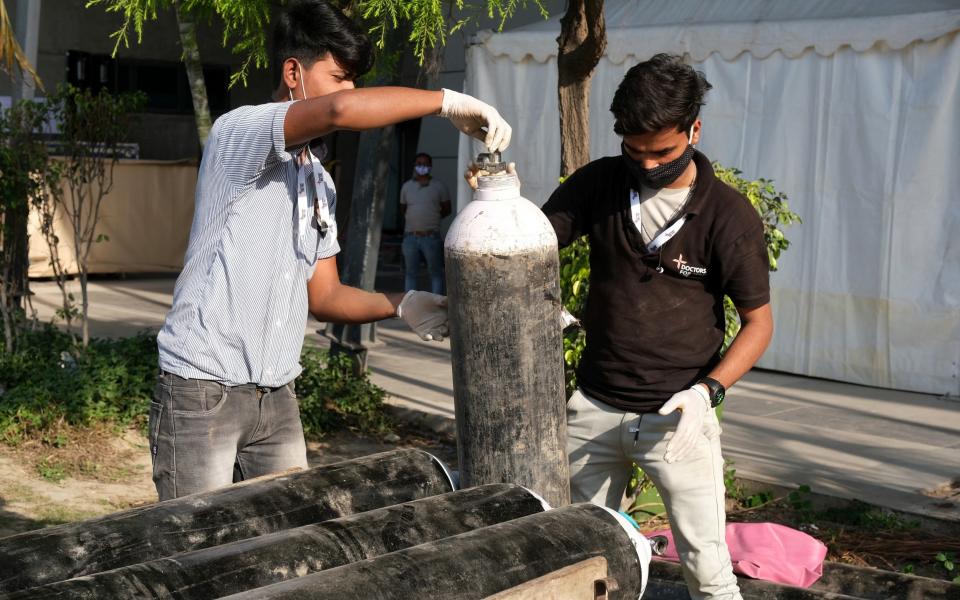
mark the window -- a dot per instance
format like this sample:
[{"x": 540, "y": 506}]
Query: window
[{"x": 164, "y": 82}]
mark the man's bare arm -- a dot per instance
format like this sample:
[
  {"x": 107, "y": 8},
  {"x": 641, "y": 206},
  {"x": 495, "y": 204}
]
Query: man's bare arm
[
  {"x": 749, "y": 345},
  {"x": 331, "y": 301},
  {"x": 357, "y": 109}
]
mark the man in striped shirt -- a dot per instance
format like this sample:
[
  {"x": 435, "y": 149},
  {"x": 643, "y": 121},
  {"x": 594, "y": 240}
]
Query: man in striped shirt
[{"x": 262, "y": 253}]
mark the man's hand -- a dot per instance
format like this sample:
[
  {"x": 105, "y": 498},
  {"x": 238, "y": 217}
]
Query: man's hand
[
  {"x": 476, "y": 119},
  {"x": 474, "y": 171},
  {"x": 426, "y": 314},
  {"x": 567, "y": 319},
  {"x": 693, "y": 405}
]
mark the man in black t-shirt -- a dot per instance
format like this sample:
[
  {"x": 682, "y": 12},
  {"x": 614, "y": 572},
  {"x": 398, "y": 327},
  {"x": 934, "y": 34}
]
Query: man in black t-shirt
[{"x": 667, "y": 241}]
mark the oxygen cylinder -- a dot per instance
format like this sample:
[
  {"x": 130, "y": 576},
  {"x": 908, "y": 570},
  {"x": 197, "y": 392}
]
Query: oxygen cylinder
[
  {"x": 275, "y": 557},
  {"x": 506, "y": 339},
  {"x": 212, "y": 518},
  {"x": 479, "y": 563}
]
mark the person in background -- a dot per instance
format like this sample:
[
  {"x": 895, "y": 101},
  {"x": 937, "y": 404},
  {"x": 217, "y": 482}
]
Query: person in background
[{"x": 424, "y": 202}]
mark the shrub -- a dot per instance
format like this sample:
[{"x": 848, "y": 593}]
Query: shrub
[
  {"x": 774, "y": 212},
  {"x": 50, "y": 380},
  {"x": 332, "y": 396}
]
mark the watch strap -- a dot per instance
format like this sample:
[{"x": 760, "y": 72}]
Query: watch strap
[{"x": 717, "y": 391}]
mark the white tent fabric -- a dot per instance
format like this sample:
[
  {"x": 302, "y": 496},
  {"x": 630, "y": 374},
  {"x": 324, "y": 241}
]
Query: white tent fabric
[
  {"x": 700, "y": 28},
  {"x": 850, "y": 107}
]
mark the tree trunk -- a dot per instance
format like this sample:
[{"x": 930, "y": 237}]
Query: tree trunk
[
  {"x": 582, "y": 41},
  {"x": 362, "y": 246},
  {"x": 365, "y": 225},
  {"x": 6, "y": 306},
  {"x": 14, "y": 284},
  {"x": 191, "y": 61}
]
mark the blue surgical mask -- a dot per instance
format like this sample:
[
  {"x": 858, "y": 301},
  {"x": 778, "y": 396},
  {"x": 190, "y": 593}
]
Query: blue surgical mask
[{"x": 421, "y": 170}]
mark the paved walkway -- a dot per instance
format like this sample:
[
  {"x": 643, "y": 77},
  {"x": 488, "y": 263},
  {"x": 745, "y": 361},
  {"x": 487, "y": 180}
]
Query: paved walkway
[{"x": 881, "y": 446}]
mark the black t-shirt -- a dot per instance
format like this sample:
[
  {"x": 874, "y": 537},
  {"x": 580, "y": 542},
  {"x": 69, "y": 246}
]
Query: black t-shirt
[{"x": 650, "y": 334}]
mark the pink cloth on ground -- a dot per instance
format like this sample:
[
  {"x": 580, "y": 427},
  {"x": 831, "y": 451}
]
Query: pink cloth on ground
[{"x": 767, "y": 551}]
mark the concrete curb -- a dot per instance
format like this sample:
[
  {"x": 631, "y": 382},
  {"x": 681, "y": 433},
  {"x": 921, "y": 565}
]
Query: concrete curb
[{"x": 944, "y": 521}]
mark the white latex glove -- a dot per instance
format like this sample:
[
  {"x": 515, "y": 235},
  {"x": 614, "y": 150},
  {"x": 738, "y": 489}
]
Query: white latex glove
[
  {"x": 476, "y": 119},
  {"x": 426, "y": 314},
  {"x": 567, "y": 319},
  {"x": 693, "y": 405}
]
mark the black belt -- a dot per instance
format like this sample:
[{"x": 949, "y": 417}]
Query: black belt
[{"x": 260, "y": 390}]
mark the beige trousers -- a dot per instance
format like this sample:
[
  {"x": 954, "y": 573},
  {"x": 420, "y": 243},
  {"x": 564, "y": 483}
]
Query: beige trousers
[{"x": 603, "y": 442}]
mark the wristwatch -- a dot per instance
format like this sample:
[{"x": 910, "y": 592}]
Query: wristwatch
[{"x": 717, "y": 391}]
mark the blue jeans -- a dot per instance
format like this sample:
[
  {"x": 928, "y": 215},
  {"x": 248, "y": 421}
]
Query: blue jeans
[{"x": 430, "y": 247}]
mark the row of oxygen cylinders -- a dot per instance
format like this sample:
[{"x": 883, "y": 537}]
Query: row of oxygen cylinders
[{"x": 389, "y": 525}]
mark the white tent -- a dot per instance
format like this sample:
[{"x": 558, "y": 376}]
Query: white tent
[{"x": 851, "y": 107}]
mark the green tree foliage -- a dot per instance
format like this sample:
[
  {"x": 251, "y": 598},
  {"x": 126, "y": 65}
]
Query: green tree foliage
[
  {"x": 574, "y": 289},
  {"x": 245, "y": 25},
  {"x": 774, "y": 211},
  {"x": 431, "y": 21},
  {"x": 246, "y": 22},
  {"x": 92, "y": 127}
]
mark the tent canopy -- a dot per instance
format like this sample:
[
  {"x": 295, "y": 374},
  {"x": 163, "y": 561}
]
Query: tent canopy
[
  {"x": 850, "y": 107},
  {"x": 699, "y": 28}
]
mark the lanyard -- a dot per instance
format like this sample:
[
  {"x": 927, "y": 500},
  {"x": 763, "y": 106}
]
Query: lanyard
[
  {"x": 322, "y": 208},
  {"x": 665, "y": 235}
]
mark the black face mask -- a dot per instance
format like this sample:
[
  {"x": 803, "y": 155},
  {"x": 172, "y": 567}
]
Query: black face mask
[{"x": 660, "y": 176}]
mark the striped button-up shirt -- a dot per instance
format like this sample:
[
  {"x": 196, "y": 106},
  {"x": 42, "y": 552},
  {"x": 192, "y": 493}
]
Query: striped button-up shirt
[{"x": 240, "y": 303}]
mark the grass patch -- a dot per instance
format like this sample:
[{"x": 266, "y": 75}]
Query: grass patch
[
  {"x": 861, "y": 514},
  {"x": 51, "y": 470},
  {"x": 58, "y": 515}
]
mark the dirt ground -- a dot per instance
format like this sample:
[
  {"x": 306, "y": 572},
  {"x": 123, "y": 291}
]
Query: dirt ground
[
  {"x": 107, "y": 472},
  {"x": 854, "y": 532},
  {"x": 89, "y": 474}
]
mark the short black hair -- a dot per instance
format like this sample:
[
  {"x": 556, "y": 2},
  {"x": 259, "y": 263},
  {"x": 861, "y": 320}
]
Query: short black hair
[
  {"x": 425, "y": 155},
  {"x": 308, "y": 30},
  {"x": 658, "y": 93}
]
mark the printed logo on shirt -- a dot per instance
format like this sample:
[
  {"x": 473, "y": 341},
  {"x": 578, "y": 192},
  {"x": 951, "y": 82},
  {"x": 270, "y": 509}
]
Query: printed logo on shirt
[{"x": 687, "y": 270}]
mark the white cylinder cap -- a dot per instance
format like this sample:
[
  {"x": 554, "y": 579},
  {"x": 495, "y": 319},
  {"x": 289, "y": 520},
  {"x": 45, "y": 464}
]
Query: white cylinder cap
[{"x": 640, "y": 544}]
